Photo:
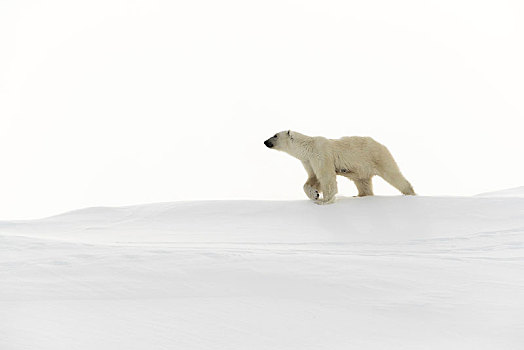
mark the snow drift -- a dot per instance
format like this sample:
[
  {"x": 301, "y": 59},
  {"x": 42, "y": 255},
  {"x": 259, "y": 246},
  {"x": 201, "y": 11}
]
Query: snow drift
[{"x": 365, "y": 273}]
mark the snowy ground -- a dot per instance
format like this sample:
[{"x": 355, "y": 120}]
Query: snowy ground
[{"x": 364, "y": 273}]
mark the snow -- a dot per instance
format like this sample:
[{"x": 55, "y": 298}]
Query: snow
[
  {"x": 511, "y": 192},
  {"x": 364, "y": 273}
]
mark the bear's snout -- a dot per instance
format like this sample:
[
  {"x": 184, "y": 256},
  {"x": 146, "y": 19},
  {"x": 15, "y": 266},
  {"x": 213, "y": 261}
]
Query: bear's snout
[{"x": 268, "y": 143}]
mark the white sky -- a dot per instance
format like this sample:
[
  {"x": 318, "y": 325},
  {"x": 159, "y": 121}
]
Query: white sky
[{"x": 123, "y": 102}]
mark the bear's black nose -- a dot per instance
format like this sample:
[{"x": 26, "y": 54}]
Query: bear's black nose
[{"x": 268, "y": 144}]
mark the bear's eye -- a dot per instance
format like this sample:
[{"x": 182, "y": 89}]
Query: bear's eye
[{"x": 275, "y": 135}]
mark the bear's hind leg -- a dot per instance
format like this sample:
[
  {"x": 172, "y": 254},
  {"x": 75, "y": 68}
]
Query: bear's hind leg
[
  {"x": 364, "y": 186},
  {"x": 397, "y": 180}
]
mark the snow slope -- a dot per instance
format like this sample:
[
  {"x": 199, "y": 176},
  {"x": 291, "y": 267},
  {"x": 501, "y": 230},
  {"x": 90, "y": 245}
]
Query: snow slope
[{"x": 364, "y": 273}]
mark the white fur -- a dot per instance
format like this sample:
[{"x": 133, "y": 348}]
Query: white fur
[{"x": 357, "y": 158}]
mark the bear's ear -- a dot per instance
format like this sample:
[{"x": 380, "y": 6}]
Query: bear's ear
[{"x": 288, "y": 132}]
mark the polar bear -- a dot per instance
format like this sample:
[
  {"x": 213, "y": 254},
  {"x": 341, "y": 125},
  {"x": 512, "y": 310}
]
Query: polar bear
[{"x": 357, "y": 158}]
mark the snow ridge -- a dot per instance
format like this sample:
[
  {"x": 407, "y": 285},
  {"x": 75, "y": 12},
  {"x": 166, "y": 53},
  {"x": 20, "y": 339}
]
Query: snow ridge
[{"x": 367, "y": 273}]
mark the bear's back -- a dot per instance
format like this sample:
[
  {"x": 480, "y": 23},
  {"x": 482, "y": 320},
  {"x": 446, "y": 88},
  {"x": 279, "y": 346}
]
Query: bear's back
[
  {"x": 358, "y": 149},
  {"x": 357, "y": 142}
]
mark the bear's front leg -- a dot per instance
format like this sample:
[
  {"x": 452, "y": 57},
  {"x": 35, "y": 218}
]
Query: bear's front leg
[
  {"x": 328, "y": 186},
  {"x": 311, "y": 189},
  {"x": 312, "y": 186}
]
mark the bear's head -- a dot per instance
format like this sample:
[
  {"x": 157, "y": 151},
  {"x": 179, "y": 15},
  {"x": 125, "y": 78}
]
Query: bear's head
[{"x": 279, "y": 141}]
